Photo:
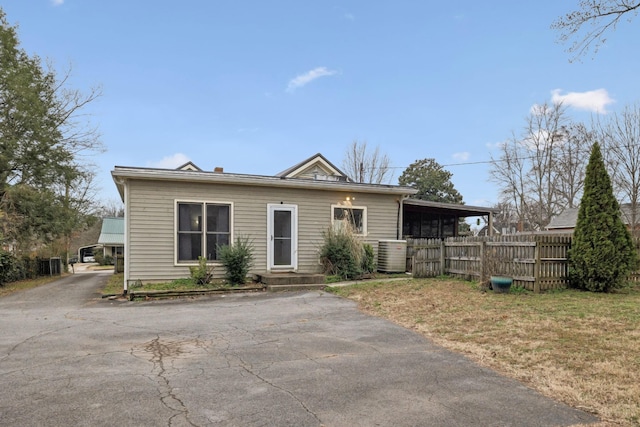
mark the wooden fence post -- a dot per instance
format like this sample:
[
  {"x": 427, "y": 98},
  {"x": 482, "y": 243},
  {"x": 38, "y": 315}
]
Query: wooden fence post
[
  {"x": 442, "y": 247},
  {"x": 536, "y": 268},
  {"x": 482, "y": 263}
]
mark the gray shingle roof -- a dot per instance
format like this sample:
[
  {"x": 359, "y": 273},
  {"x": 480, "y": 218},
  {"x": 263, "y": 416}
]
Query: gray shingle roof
[{"x": 569, "y": 217}]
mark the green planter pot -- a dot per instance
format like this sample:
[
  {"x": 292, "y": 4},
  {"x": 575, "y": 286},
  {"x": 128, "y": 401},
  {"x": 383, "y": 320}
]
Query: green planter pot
[{"x": 501, "y": 284}]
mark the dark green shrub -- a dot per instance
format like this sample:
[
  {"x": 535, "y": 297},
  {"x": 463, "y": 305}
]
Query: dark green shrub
[
  {"x": 103, "y": 259},
  {"x": 368, "y": 259},
  {"x": 602, "y": 253},
  {"x": 29, "y": 268},
  {"x": 99, "y": 258},
  {"x": 237, "y": 259},
  {"x": 341, "y": 253},
  {"x": 203, "y": 273},
  {"x": 8, "y": 267}
]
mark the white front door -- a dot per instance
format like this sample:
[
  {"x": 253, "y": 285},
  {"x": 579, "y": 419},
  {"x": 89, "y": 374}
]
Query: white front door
[{"x": 282, "y": 237}]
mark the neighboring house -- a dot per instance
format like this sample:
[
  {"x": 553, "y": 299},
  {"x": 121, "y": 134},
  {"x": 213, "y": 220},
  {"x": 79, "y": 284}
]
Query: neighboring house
[
  {"x": 112, "y": 236},
  {"x": 174, "y": 216},
  {"x": 567, "y": 220}
]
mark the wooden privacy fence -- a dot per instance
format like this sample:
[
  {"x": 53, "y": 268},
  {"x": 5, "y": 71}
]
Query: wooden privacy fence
[{"x": 536, "y": 262}]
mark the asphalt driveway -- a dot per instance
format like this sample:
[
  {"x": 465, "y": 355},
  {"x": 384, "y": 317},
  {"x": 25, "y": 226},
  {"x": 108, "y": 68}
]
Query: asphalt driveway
[{"x": 295, "y": 359}]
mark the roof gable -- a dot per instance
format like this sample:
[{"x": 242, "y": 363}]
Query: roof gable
[
  {"x": 315, "y": 167},
  {"x": 189, "y": 166}
]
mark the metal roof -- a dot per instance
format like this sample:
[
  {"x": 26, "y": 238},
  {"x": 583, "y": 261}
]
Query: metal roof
[
  {"x": 451, "y": 208},
  {"x": 112, "y": 232}
]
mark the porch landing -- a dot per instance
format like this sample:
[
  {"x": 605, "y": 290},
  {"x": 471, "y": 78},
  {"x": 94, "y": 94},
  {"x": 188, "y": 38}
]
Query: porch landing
[{"x": 291, "y": 281}]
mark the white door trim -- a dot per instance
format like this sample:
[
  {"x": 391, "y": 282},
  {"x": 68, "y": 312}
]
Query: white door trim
[{"x": 271, "y": 209}]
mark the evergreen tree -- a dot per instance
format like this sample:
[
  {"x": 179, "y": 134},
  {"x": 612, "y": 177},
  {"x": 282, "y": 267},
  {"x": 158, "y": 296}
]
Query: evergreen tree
[
  {"x": 602, "y": 254},
  {"x": 45, "y": 189},
  {"x": 432, "y": 181}
]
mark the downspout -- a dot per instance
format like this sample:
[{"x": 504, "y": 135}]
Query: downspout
[
  {"x": 127, "y": 246},
  {"x": 127, "y": 243}
]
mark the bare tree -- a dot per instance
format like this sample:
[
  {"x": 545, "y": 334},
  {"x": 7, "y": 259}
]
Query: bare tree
[
  {"x": 591, "y": 21},
  {"x": 363, "y": 165},
  {"x": 620, "y": 139},
  {"x": 509, "y": 171},
  {"x": 540, "y": 172},
  {"x": 570, "y": 163},
  {"x": 111, "y": 208},
  {"x": 544, "y": 132}
]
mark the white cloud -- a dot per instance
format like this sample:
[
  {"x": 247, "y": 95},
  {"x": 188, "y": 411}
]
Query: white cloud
[
  {"x": 170, "y": 162},
  {"x": 308, "y": 77},
  {"x": 57, "y": 2},
  {"x": 349, "y": 17},
  {"x": 592, "y": 100},
  {"x": 463, "y": 156}
]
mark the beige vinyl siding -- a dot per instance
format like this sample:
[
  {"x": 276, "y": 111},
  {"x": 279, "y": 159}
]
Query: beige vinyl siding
[{"x": 152, "y": 222}]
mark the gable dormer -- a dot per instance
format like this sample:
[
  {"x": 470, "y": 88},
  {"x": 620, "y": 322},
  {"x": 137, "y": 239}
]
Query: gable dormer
[
  {"x": 189, "y": 166},
  {"x": 316, "y": 167}
]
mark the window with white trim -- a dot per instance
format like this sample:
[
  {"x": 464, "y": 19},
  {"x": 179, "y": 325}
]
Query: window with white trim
[
  {"x": 356, "y": 216},
  {"x": 201, "y": 229}
]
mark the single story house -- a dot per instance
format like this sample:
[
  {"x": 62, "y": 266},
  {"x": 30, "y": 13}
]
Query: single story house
[
  {"x": 174, "y": 216},
  {"x": 112, "y": 236}
]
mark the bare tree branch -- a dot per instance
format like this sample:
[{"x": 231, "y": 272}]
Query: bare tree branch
[
  {"x": 591, "y": 21},
  {"x": 620, "y": 139},
  {"x": 364, "y": 165},
  {"x": 541, "y": 171}
]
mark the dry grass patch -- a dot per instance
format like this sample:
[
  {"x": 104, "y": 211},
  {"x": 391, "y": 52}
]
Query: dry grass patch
[
  {"x": 115, "y": 285},
  {"x": 577, "y": 347}
]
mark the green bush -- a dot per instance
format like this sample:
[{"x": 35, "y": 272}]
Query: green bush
[
  {"x": 8, "y": 267},
  {"x": 203, "y": 273},
  {"x": 102, "y": 259},
  {"x": 237, "y": 259},
  {"x": 28, "y": 268},
  {"x": 368, "y": 259},
  {"x": 341, "y": 253},
  {"x": 99, "y": 258}
]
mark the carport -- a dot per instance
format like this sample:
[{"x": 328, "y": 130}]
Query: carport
[{"x": 435, "y": 220}]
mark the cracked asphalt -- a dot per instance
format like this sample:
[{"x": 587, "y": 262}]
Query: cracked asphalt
[{"x": 67, "y": 357}]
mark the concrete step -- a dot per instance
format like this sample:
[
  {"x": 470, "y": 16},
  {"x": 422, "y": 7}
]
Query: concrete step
[
  {"x": 277, "y": 279},
  {"x": 298, "y": 287}
]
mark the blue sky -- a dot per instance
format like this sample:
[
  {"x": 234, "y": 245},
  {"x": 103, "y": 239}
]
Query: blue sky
[{"x": 257, "y": 86}]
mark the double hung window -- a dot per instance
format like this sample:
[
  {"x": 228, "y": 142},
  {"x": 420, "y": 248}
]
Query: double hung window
[
  {"x": 355, "y": 216},
  {"x": 201, "y": 229}
]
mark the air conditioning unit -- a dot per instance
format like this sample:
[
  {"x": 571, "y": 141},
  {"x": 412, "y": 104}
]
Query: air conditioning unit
[{"x": 392, "y": 256}]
